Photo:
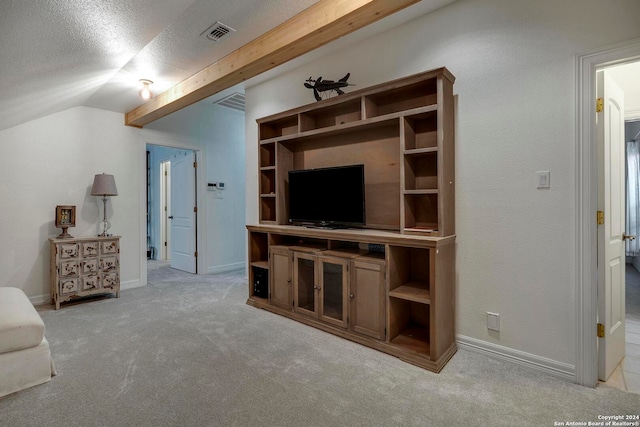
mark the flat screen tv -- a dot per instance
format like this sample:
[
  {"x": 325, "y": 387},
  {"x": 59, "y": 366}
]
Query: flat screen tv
[{"x": 327, "y": 197}]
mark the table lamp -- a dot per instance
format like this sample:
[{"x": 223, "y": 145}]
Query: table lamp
[{"x": 104, "y": 185}]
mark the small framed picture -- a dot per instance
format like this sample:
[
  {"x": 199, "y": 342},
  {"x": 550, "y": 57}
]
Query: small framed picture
[{"x": 65, "y": 216}]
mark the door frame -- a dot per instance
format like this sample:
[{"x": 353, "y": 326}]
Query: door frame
[
  {"x": 165, "y": 202},
  {"x": 586, "y": 181},
  {"x": 153, "y": 137}
]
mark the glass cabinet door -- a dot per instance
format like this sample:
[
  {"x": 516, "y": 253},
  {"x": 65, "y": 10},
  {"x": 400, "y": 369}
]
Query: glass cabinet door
[
  {"x": 333, "y": 291},
  {"x": 304, "y": 273}
]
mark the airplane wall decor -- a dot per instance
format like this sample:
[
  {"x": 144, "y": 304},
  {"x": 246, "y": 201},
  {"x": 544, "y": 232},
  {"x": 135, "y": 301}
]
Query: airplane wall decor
[{"x": 326, "y": 86}]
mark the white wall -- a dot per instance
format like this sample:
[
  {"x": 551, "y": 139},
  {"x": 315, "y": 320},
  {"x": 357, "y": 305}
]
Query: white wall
[
  {"x": 52, "y": 161},
  {"x": 514, "y": 63},
  {"x": 220, "y": 131}
]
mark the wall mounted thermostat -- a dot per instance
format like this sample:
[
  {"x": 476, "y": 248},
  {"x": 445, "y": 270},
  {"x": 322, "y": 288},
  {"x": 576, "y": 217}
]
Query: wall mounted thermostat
[{"x": 212, "y": 186}]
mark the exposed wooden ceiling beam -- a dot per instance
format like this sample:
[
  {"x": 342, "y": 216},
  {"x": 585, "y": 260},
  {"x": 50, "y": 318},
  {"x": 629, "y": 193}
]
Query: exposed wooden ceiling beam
[{"x": 320, "y": 24}]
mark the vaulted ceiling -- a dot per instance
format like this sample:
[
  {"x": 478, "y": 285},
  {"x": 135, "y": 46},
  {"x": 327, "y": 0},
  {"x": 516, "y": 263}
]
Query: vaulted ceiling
[{"x": 57, "y": 54}]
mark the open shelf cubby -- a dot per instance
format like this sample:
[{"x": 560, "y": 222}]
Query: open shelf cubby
[
  {"x": 411, "y": 272},
  {"x": 287, "y": 125},
  {"x": 421, "y": 171},
  {"x": 402, "y": 98},
  {"x": 421, "y": 211},
  {"x": 267, "y": 208},
  {"x": 267, "y": 154},
  {"x": 409, "y": 325},
  {"x": 268, "y": 181},
  {"x": 421, "y": 131},
  {"x": 332, "y": 115}
]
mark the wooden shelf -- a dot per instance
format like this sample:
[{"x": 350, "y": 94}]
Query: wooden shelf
[
  {"x": 419, "y": 192},
  {"x": 414, "y": 339},
  {"x": 421, "y": 151},
  {"x": 260, "y": 264},
  {"x": 424, "y": 231},
  {"x": 346, "y": 128},
  {"x": 332, "y": 115},
  {"x": 267, "y": 168},
  {"x": 352, "y": 126},
  {"x": 413, "y": 291},
  {"x": 284, "y": 126}
]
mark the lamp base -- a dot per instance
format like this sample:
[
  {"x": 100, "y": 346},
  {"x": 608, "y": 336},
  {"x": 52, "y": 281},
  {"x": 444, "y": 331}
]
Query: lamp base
[
  {"x": 64, "y": 234},
  {"x": 105, "y": 226}
]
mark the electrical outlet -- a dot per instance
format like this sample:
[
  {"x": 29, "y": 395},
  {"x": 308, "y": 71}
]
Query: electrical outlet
[{"x": 493, "y": 321}]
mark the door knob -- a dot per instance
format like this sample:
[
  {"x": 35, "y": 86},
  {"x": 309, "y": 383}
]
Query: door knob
[
  {"x": 351, "y": 296},
  {"x": 170, "y": 216},
  {"x": 628, "y": 236}
]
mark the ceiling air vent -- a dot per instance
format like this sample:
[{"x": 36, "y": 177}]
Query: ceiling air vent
[
  {"x": 217, "y": 31},
  {"x": 235, "y": 101}
]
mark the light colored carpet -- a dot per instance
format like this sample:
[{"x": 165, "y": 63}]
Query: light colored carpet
[{"x": 187, "y": 351}]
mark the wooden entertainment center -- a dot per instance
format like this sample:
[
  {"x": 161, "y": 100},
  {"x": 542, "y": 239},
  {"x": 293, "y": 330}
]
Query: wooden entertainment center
[{"x": 391, "y": 284}]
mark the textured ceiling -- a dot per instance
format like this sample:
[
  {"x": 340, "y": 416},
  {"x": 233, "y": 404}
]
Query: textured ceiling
[{"x": 57, "y": 54}]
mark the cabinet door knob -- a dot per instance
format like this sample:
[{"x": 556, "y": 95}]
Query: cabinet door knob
[{"x": 351, "y": 296}]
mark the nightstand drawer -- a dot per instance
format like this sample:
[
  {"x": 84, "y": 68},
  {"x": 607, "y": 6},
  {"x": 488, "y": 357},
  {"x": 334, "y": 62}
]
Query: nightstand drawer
[
  {"x": 89, "y": 249},
  {"x": 68, "y": 268},
  {"x": 109, "y": 263},
  {"x": 68, "y": 250},
  {"x": 68, "y": 286},
  {"x": 110, "y": 280},
  {"x": 89, "y": 283},
  {"x": 89, "y": 266},
  {"x": 109, "y": 247}
]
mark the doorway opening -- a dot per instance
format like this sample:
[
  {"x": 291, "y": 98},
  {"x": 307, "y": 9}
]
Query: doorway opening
[
  {"x": 618, "y": 108},
  {"x": 172, "y": 207},
  {"x": 588, "y": 170}
]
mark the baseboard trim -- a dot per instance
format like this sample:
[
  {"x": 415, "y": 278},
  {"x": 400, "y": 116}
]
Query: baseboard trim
[
  {"x": 226, "y": 268},
  {"x": 131, "y": 284},
  {"x": 40, "y": 299},
  {"x": 542, "y": 364},
  {"x": 46, "y": 298}
]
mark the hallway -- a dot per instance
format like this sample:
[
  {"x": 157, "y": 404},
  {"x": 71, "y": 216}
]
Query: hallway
[{"x": 627, "y": 375}]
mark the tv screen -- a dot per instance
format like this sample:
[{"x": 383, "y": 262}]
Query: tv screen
[{"x": 327, "y": 196}]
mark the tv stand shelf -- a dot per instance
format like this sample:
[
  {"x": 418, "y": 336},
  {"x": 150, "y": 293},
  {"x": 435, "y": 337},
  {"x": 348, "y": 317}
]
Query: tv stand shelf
[
  {"x": 404, "y": 282},
  {"x": 391, "y": 284}
]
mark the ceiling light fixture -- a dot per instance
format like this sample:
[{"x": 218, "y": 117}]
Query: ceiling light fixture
[{"x": 145, "y": 92}]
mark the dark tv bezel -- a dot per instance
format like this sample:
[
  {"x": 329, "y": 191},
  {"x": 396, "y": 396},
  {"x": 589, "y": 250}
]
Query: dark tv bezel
[{"x": 331, "y": 223}]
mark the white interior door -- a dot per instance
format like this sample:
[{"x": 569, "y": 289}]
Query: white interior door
[
  {"x": 183, "y": 215},
  {"x": 611, "y": 235}
]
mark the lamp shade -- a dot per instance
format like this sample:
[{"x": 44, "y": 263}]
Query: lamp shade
[{"x": 104, "y": 185}]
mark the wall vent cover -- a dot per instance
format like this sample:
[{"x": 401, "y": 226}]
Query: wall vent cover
[
  {"x": 235, "y": 101},
  {"x": 216, "y": 31}
]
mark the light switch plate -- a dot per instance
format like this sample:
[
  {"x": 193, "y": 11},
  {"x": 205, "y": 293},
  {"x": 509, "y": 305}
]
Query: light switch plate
[
  {"x": 493, "y": 321},
  {"x": 543, "y": 179}
]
